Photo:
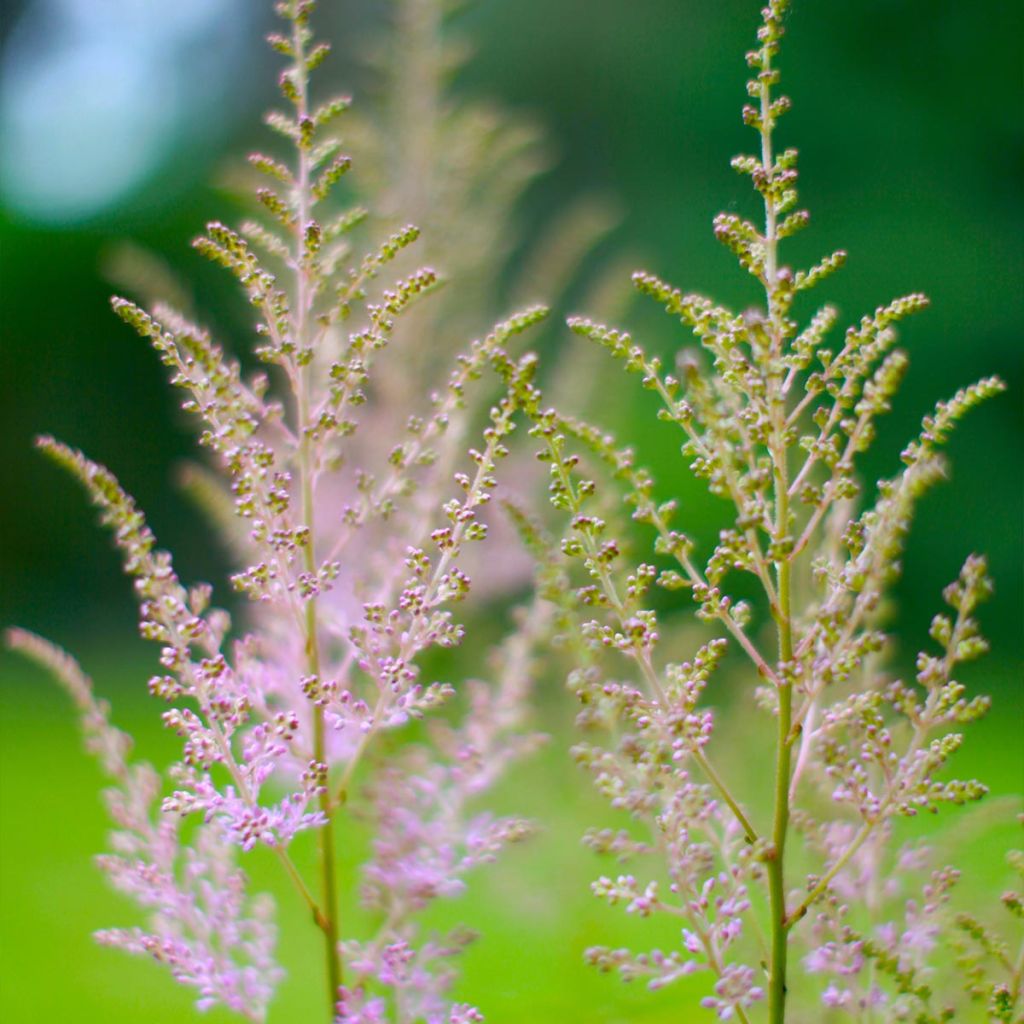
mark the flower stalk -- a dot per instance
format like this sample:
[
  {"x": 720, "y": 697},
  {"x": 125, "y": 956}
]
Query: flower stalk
[
  {"x": 773, "y": 420},
  {"x": 303, "y": 377},
  {"x": 275, "y": 719}
]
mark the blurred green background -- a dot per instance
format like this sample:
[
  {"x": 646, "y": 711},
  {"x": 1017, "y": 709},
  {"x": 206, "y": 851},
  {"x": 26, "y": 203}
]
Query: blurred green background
[{"x": 117, "y": 116}]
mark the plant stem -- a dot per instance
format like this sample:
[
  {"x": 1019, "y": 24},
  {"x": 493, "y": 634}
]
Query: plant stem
[
  {"x": 329, "y": 897},
  {"x": 784, "y": 748},
  {"x": 326, "y": 833},
  {"x": 303, "y": 310},
  {"x": 780, "y": 824},
  {"x": 783, "y": 754},
  {"x": 783, "y": 573},
  {"x": 715, "y": 779}
]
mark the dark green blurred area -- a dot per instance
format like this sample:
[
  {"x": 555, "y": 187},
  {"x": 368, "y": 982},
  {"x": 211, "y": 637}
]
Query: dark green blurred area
[
  {"x": 907, "y": 116},
  {"x": 908, "y": 119}
]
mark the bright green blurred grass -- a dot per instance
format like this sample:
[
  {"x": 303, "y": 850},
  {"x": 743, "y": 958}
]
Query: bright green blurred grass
[{"x": 534, "y": 909}]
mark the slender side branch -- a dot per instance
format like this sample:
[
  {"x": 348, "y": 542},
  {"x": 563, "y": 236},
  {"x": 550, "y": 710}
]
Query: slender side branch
[{"x": 642, "y": 659}]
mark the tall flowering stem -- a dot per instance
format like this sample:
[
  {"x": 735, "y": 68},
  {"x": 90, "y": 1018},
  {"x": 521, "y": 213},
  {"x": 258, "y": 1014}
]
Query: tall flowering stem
[
  {"x": 302, "y": 378},
  {"x": 277, "y": 723},
  {"x": 776, "y": 302},
  {"x": 773, "y": 419}
]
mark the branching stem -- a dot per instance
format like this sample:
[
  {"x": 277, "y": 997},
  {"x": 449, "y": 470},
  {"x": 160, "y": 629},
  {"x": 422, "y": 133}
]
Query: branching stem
[
  {"x": 783, "y": 572},
  {"x": 303, "y": 312}
]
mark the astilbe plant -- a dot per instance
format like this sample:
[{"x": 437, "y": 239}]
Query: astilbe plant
[
  {"x": 353, "y": 569},
  {"x": 773, "y": 417},
  {"x": 458, "y": 167}
]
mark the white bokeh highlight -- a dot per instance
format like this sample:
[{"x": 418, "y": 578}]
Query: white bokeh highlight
[{"x": 96, "y": 94}]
